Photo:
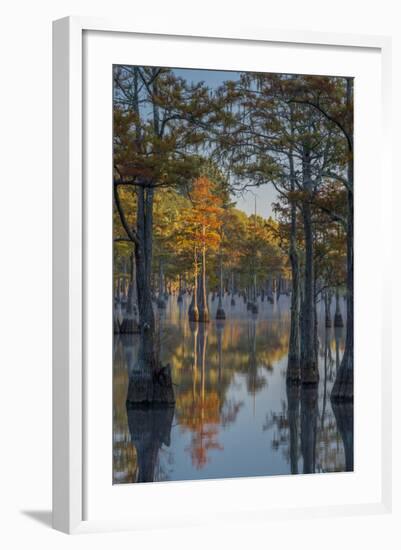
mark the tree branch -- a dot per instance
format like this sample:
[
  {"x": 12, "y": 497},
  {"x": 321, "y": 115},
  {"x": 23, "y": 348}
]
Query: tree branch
[
  {"x": 130, "y": 232},
  {"x": 335, "y": 176},
  {"x": 122, "y": 240},
  {"x": 333, "y": 215},
  {"x": 329, "y": 117}
]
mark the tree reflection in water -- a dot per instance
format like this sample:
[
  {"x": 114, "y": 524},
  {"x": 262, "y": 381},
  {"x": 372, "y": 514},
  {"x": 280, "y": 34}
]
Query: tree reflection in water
[
  {"x": 150, "y": 428},
  {"x": 231, "y": 401},
  {"x": 309, "y": 412},
  {"x": 293, "y": 399},
  {"x": 311, "y": 446},
  {"x": 344, "y": 413}
]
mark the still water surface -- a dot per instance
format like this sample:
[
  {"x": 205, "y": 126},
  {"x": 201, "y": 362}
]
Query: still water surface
[{"x": 234, "y": 415}]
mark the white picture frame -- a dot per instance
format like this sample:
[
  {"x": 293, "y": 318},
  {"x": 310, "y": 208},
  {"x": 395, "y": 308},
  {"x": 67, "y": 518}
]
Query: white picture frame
[{"x": 69, "y": 258}]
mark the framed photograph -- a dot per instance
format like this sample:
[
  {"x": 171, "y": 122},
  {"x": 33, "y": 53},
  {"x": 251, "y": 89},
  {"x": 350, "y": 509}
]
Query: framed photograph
[{"x": 220, "y": 343}]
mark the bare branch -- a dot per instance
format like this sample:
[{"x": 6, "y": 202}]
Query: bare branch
[{"x": 130, "y": 231}]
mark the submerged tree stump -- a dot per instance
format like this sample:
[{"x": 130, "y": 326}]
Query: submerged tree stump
[
  {"x": 293, "y": 375},
  {"x": 193, "y": 314},
  {"x": 203, "y": 315},
  {"x": 161, "y": 304},
  {"x": 327, "y": 308},
  {"x": 117, "y": 317},
  {"x": 163, "y": 391},
  {"x": 338, "y": 320},
  {"x": 343, "y": 388},
  {"x": 150, "y": 387},
  {"x": 220, "y": 314},
  {"x": 328, "y": 321},
  {"x": 309, "y": 373},
  {"x": 130, "y": 325},
  {"x": 116, "y": 325}
]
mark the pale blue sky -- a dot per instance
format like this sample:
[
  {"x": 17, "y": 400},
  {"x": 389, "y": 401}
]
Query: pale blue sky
[{"x": 265, "y": 194}]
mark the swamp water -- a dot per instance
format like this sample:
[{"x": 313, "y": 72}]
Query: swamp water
[{"x": 234, "y": 415}]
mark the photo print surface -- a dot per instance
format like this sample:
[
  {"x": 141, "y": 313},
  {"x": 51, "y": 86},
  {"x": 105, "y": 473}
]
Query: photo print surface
[{"x": 232, "y": 274}]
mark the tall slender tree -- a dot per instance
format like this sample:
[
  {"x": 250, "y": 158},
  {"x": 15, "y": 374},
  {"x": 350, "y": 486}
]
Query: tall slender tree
[{"x": 156, "y": 131}]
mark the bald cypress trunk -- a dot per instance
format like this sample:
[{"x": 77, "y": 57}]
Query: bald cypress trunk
[
  {"x": 149, "y": 382},
  {"x": 232, "y": 290},
  {"x": 294, "y": 364},
  {"x": 220, "y": 313},
  {"x": 327, "y": 308},
  {"x": 294, "y": 360},
  {"x": 338, "y": 320},
  {"x": 343, "y": 389},
  {"x": 161, "y": 304},
  {"x": 140, "y": 389},
  {"x": 203, "y": 305},
  {"x": 309, "y": 371},
  {"x": 193, "y": 312}
]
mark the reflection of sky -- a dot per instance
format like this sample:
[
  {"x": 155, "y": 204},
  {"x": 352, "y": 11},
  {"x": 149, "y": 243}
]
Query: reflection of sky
[
  {"x": 251, "y": 443},
  {"x": 264, "y": 195}
]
